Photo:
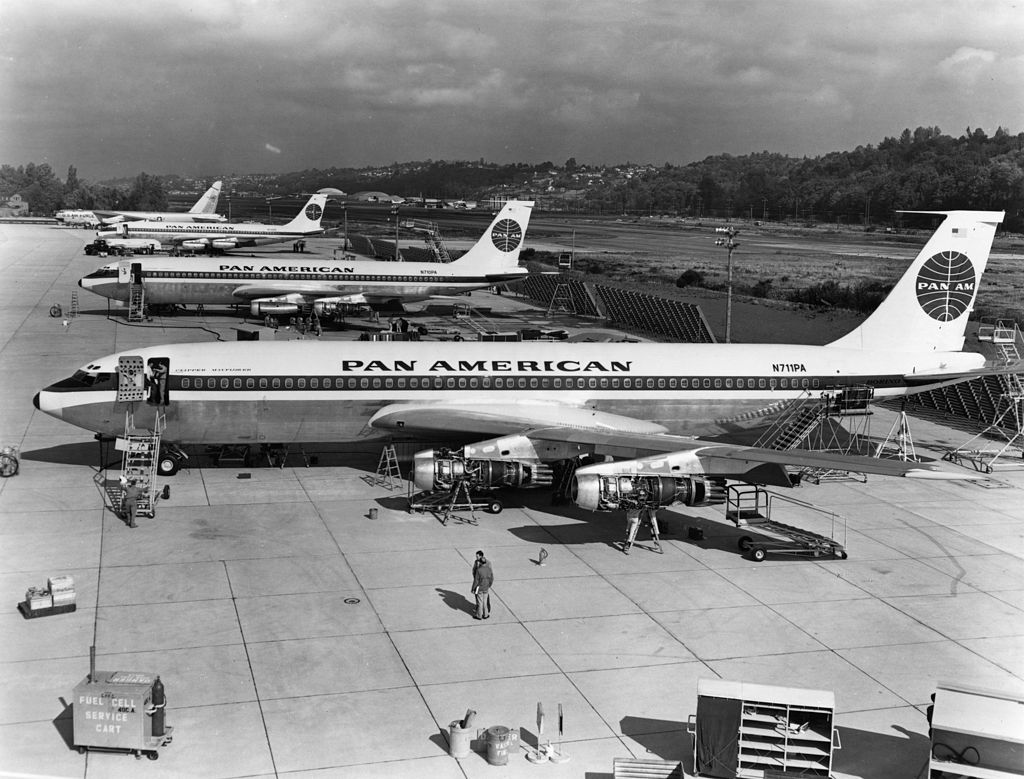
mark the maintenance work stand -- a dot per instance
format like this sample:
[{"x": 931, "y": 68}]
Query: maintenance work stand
[{"x": 749, "y": 506}]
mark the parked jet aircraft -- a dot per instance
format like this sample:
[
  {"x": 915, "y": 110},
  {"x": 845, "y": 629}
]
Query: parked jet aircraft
[
  {"x": 205, "y": 210},
  {"x": 540, "y": 403},
  {"x": 77, "y": 217},
  {"x": 193, "y": 235},
  {"x": 272, "y": 287}
]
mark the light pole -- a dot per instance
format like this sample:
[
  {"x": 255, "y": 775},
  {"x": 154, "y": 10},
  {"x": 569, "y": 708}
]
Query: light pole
[
  {"x": 394, "y": 213},
  {"x": 729, "y": 243},
  {"x": 270, "y": 205}
]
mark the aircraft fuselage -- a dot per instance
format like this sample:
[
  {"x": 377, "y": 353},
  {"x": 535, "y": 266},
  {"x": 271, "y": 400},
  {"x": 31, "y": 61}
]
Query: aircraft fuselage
[{"x": 285, "y": 392}]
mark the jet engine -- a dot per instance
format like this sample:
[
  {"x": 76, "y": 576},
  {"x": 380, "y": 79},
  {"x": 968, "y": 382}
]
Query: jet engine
[
  {"x": 258, "y": 308},
  {"x": 607, "y": 492},
  {"x": 198, "y": 243},
  {"x": 441, "y": 469},
  {"x": 224, "y": 243}
]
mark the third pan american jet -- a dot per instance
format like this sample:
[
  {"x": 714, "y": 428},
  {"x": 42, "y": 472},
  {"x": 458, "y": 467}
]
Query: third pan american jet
[
  {"x": 273, "y": 286},
  {"x": 533, "y": 404},
  {"x": 204, "y": 210}
]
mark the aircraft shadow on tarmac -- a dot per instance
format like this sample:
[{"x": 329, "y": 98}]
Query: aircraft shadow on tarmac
[
  {"x": 610, "y": 528},
  {"x": 81, "y": 453}
]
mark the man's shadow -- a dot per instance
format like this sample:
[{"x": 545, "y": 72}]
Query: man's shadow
[{"x": 457, "y": 601}]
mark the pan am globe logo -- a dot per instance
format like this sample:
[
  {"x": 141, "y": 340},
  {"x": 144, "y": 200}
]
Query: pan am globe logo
[
  {"x": 507, "y": 235},
  {"x": 945, "y": 285},
  {"x": 313, "y": 211}
]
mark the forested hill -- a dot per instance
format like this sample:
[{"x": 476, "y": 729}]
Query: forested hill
[{"x": 923, "y": 169}]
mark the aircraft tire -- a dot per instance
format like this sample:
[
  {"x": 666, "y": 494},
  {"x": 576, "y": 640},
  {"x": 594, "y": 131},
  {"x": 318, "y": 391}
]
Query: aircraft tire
[{"x": 168, "y": 465}]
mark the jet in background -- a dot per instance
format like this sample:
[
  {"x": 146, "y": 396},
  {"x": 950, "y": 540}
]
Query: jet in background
[
  {"x": 535, "y": 404},
  {"x": 275, "y": 287},
  {"x": 77, "y": 217},
  {"x": 205, "y": 210},
  {"x": 223, "y": 237}
]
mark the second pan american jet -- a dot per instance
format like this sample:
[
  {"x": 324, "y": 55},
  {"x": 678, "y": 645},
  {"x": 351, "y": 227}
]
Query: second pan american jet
[
  {"x": 532, "y": 405},
  {"x": 273, "y": 286},
  {"x": 223, "y": 236}
]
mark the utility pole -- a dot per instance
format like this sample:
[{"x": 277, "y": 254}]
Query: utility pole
[
  {"x": 270, "y": 206},
  {"x": 394, "y": 213},
  {"x": 729, "y": 243}
]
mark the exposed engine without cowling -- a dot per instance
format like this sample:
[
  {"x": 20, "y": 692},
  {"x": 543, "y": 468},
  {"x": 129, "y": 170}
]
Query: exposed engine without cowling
[
  {"x": 608, "y": 492},
  {"x": 442, "y": 469}
]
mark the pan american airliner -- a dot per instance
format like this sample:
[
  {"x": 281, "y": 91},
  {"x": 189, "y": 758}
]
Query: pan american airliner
[
  {"x": 223, "y": 236},
  {"x": 204, "y": 210},
  {"x": 272, "y": 286},
  {"x": 532, "y": 405}
]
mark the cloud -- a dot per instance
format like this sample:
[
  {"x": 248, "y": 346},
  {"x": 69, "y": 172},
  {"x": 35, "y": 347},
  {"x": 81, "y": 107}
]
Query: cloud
[
  {"x": 966, "y": 65},
  {"x": 197, "y": 88}
]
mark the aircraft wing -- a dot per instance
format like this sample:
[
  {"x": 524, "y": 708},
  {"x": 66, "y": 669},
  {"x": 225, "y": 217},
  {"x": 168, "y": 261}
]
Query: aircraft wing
[
  {"x": 309, "y": 291},
  {"x": 625, "y": 437}
]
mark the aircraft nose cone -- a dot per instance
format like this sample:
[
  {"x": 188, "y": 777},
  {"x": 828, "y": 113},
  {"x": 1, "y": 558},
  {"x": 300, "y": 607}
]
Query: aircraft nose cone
[
  {"x": 35, "y": 401},
  {"x": 81, "y": 284}
]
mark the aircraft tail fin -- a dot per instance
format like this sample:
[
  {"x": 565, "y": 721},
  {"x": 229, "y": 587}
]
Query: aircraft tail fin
[
  {"x": 928, "y": 308},
  {"x": 308, "y": 219},
  {"x": 207, "y": 204},
  {"x": 499, "y": 247}
]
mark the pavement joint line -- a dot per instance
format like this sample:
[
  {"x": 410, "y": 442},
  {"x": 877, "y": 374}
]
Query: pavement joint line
[{"x": 252, "y": 673}]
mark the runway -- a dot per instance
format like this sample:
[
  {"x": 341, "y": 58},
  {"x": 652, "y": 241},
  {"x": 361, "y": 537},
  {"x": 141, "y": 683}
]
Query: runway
[{"x": 297, "y": 636}]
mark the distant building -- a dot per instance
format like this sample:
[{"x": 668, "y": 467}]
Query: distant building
[{"x": 14, "y": 206}]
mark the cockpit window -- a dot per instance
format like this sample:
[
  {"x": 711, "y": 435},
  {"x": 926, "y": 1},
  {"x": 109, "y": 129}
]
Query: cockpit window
[
  {"x": 103, "y": 273},
  {"x": 82, "y": 378}
]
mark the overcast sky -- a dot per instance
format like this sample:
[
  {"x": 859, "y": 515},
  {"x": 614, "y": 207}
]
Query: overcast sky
[{"x": 215, "y": 87}]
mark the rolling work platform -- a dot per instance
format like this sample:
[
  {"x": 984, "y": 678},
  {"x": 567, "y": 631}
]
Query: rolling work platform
[
  {"x": 811, "y": 422},
  {"x": 749, "y": 506},
  {"x": 1000, "y": 444}
]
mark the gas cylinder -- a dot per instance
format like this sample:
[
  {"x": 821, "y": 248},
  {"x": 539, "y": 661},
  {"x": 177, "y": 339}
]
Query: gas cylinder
[{"x": 159, "y": 702}]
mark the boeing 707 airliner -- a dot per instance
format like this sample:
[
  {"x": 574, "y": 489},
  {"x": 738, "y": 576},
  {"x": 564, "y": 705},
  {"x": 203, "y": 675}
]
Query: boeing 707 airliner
[
  {"x": 275, "y": 287},
  {"x": 534, "y": 404},
  {"x": 223, "y": 236}
]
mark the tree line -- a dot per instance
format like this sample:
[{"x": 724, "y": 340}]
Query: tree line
[
  {"x": 46, "y": 193},
  {"x": 922, "y": 169}
]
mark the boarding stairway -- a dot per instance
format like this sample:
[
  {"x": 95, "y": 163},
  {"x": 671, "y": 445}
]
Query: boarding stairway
[
  {"x": 136, "y": 302},
  {"x": 809, "y": 422},
  {"x": 1000, "y": 444},
  {"x": 140, "y": 447}
]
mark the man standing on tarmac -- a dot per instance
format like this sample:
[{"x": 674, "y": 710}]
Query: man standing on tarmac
[
  {"x": 132, "y": 493},
  {"x": 483, "y": 578}
]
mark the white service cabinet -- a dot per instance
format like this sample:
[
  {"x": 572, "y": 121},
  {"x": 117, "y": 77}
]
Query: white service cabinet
[{"x": 761, "y": 731}]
